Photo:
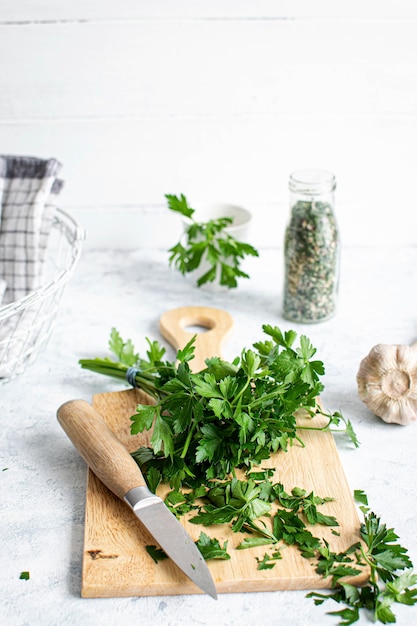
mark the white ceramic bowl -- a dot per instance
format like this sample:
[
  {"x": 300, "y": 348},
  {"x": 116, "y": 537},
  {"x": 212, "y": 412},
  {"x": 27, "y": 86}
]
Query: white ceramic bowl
[{"x": 241, "y": 217}]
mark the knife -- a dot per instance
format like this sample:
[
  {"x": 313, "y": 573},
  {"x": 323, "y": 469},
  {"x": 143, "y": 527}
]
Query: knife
[{"x": 113, "y": 465}]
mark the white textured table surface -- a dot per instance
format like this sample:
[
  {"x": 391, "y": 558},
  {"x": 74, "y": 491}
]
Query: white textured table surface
[{"x": 43, "y": 478}]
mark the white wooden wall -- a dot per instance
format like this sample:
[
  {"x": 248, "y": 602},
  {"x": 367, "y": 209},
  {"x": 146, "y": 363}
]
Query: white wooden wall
[{"x": 219, "y": 100}]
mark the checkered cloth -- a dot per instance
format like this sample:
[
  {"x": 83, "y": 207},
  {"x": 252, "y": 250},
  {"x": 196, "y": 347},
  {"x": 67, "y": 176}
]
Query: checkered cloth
[{"x": 28, "y": 188}]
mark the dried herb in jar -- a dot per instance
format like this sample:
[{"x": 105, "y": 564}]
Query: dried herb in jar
[{"x": 311, "y": 261}]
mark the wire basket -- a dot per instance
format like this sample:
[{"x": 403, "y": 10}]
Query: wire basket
[{"x": 26, "y": 325}]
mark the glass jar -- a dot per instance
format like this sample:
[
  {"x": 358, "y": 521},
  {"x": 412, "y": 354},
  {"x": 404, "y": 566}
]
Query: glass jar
[{"x": 311, "y": 248}]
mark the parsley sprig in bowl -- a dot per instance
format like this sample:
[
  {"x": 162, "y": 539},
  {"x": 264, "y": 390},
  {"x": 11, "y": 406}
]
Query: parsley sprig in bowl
[{"x": 208, "y": 244}]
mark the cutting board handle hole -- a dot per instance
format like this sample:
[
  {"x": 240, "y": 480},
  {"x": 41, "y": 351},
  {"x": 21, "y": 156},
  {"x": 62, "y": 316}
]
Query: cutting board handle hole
[
  {"x": 196, "y": 324},
  {"x": 196, "y": 329}
]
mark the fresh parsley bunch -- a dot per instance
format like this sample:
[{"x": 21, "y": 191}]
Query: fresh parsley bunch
[
  {"x": 211, "y": 242},
  {"x": 230, "y": 415}
]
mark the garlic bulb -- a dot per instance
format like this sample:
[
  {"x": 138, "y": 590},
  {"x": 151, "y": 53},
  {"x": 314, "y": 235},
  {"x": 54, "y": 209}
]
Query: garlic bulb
[{"x": 387, "y": 383}]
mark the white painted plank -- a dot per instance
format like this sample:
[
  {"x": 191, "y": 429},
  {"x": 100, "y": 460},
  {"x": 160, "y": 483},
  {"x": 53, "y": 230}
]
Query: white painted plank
[
  {"x": 41, "y": 10},
  {"x": 124, "y": 166},
  {"x": 141, "y": 9},
  {"x": 354, "y": 9},
  {"x": 207, "y": 69},
  {"x": 127, "y": 163}
]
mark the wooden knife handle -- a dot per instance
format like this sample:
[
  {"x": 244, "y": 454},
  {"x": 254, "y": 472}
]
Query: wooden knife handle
[
  {"x": 104, "y": 453},
  {"x": 217, "y": 324}
]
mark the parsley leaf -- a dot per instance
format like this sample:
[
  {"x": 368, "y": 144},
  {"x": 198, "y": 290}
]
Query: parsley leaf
[
  {"x": 269, "y": 561},
  {"x": 157, "y": 554},
  {"x": 180, "y": 205},
  {"x": 124, "y": 351},
  {"x": 210, "y": 548},
  {"x": 234, "y": 501}
]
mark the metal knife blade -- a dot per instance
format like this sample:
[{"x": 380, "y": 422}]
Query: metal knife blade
[
  {"x": 113, "y": 465},
  {"x": 171, "y": 536}
]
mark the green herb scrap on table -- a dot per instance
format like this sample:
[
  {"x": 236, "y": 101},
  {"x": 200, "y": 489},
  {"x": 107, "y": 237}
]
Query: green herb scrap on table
[
  {"x": 212, "y": 430},
  {"x": 211, "y": 243}
]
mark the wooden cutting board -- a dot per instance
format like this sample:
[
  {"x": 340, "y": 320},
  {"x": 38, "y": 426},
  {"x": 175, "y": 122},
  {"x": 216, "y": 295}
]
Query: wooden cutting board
[{"x": 115, "y": 561}]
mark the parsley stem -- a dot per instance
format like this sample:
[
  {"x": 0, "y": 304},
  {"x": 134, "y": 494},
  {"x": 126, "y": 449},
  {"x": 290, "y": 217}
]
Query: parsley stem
[
  {"x": 265, "y": 397},
  {"x": 369, "y": 561},
  {"x": 322, "y": 428},
  {"x": 237, "y": 399},
  {"x": 300, "y": 441},
  {"x": 144, "y": 380},
  {"x": 188, "y": 441}
]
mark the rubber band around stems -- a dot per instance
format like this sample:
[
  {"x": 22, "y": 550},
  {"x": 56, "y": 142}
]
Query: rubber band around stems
[{"x": 131, "y": 376}]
